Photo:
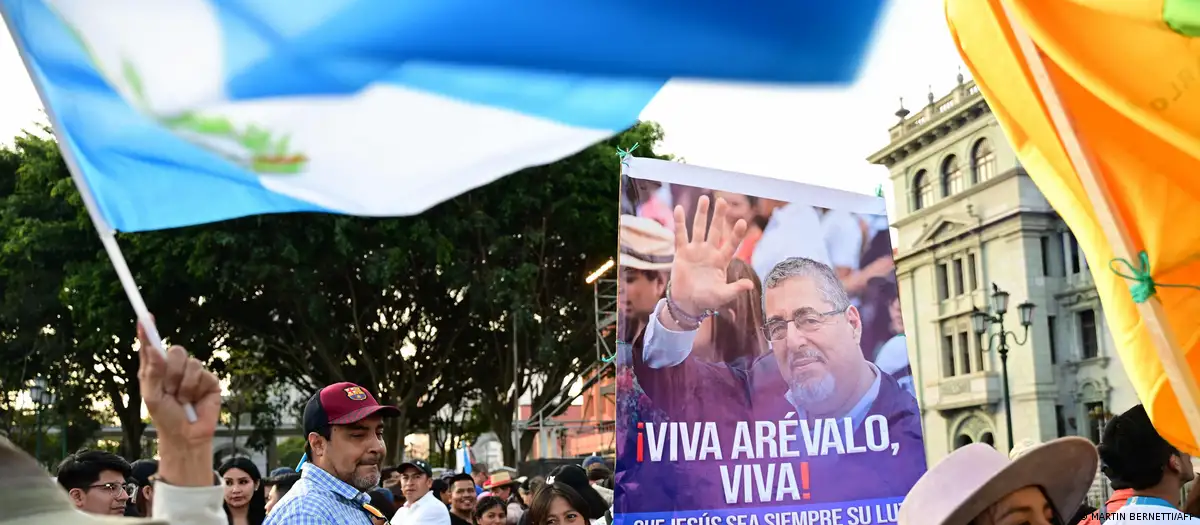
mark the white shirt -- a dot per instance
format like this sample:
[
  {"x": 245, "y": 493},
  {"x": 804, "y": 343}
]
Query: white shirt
[
  {"x": 793, "y": 231},
  {"x": 426, "y": 511},
  {"x": 1142, "y": 511},
  {"x": 843, "y": 238}
]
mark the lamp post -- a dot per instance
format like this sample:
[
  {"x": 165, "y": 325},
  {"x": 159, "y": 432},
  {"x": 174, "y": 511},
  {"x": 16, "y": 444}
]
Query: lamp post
[
  {"x": 1102, "y": 416},
  {"x": 41, "y": 397},
  {"x": 995, "y": 315}
]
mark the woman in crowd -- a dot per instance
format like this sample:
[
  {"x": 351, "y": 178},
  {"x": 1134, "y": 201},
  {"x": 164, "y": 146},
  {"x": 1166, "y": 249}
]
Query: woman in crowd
[
  {"x": 244, "y": 500},
  {"x": 530, "y": 487},
  {"x": 568, "y": 499},
  {"x": 743, "y": 207},
  {"x": 733, "y": 335},
  {"x": 978, "y": 485},
  {"x": 491, "y": 510}
]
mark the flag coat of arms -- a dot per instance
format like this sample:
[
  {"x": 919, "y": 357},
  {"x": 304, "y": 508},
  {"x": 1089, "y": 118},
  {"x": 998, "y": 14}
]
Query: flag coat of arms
[{"x": 193, "y": 111}]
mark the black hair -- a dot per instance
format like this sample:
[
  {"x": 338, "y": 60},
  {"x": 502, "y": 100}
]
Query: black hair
[
  {"x": 599, "y": 473},
  {"x": 488, "y": 503},
  {"x": 381, "y": 502},
  {"x": 83, "y": 468},
  {"x": 531, "y": 485},
  {"x": 479, "y": 468},
  {"x": 539, "y": 508},
  {"x": 1132, "y": 453},
  {"x": 257, "y": 512},
  {"x": 439, "y": 488},
  {"x": 387, "y": 472},
  {"x": 144, "y": 473},
  {"x": 284, "y": 482},
  {"x": 1056, "y": 516},
  {"x": 324, "y": 431}
]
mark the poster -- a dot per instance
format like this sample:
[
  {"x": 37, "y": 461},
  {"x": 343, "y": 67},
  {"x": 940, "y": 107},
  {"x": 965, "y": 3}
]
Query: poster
[{"x": 792, "y": 401}]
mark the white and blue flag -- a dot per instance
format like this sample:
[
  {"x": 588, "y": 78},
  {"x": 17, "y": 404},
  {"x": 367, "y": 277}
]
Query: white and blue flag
[
  {"x": 462, "y": 459},
  {"x": 181, "y": 112}
]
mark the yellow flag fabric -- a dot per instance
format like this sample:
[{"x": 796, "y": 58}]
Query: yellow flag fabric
[{"x": 1128, "y": 75}]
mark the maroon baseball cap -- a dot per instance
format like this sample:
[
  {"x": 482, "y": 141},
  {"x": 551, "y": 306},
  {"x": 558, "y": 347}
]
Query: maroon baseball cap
[{"x": 342, "y": 404}]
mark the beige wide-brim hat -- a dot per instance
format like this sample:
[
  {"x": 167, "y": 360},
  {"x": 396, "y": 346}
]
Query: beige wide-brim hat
[
  {"x": 976, "y": 476},
  {"x": 29, "y": 496},
  {"x": 646, "y": 244}
]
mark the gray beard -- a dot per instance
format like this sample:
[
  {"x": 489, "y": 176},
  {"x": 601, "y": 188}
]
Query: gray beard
[
  {"x": 810, "y": 392},
  {"x": 365, "y": 483}
]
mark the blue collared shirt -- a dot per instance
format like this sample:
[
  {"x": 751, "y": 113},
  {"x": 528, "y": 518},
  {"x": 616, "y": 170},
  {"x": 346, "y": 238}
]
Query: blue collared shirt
[{"x": 320, "y": 499}]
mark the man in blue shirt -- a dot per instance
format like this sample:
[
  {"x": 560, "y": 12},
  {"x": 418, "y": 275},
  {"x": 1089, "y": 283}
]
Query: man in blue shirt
[{"x": 344, "y": 427}]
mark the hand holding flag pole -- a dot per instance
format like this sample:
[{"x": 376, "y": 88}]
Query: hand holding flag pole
[{"x": 107, "y": 233}]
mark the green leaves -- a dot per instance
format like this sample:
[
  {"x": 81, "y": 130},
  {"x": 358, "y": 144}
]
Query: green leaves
[{"x": 421, "y": 310}]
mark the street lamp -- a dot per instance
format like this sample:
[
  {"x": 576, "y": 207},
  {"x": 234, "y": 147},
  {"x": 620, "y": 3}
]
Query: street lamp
[
  {"x": 41, "y": 397},
  {"x": 1102, "y": 416},
  {"x": 981, "y": 320}
]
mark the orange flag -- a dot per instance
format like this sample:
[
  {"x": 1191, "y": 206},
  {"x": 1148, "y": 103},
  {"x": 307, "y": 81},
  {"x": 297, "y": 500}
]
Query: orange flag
[{"x": 1126, "y": 74}]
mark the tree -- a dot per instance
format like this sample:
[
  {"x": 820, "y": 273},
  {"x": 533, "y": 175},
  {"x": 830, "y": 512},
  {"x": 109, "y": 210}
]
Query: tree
[
  {"x": 255, "y": 393},
  {"x": 533, "y": 238},
  {"x": 63, "y": 310}
]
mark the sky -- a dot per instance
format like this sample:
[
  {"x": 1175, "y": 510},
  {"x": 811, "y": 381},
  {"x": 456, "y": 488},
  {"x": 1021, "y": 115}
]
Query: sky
[{"x": 819, "y": 136}]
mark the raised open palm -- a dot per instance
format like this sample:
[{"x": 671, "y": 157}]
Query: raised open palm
[{"x": 698, "y": 279}]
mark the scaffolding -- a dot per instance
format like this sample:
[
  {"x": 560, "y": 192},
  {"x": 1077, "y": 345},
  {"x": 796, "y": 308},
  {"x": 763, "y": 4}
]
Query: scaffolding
[{"x": 541, "y": 420}]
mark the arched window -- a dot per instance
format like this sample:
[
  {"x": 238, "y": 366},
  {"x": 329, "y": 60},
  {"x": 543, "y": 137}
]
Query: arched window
[
  {"x": 988, "y": 439},
  {"x": 983, "y": 160},
  {"x": 961, "y": 441},
  {"x": 952, "y": 176},
  {"x": 922, "y": 190}
]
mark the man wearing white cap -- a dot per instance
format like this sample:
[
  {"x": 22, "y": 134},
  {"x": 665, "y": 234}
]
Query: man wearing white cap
[{"x": 647, "y": 251}]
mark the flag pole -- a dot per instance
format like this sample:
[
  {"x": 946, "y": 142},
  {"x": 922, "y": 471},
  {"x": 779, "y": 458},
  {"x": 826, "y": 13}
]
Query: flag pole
[
  {"x": 107, "y": 233},
  {"x": 1175, "y": 365}
]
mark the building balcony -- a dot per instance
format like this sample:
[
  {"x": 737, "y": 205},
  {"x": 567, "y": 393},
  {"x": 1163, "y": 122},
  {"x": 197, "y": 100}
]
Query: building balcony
[{"x": 967, "y": 390}]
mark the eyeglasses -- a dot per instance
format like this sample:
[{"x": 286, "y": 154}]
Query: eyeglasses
[
  {"x": 112, "y": 488},
  {"x": 806, "y": 321}
]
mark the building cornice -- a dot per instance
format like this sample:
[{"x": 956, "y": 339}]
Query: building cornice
[{"x": 963, "y": 105}]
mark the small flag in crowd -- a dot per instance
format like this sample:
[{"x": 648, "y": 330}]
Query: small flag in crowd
[
  {"x": 463, "y": 459},
  {"x": 192, "y": 111}
]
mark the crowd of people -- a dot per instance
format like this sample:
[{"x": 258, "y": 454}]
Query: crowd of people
[
  {"x": 341, "y": 482},
  {"x": 344, "y": 482}
]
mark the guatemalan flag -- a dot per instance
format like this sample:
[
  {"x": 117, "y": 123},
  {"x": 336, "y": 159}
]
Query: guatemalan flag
[{"x": 181, "y": 112}]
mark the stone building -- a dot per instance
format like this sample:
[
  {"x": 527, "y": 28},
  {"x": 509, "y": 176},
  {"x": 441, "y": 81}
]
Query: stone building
[{"x": 969, "y": 216}]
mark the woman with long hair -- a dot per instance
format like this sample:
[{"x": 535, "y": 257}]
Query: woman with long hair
[
  {"x": 490, "y": 510},
  {"x": 244, "y": 500},
  {"x": 733, "y": 336}
]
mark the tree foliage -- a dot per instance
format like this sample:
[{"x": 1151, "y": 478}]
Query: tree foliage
[
  {"x": 422, "y": 310},
  {"x": 63, "y": 313}
]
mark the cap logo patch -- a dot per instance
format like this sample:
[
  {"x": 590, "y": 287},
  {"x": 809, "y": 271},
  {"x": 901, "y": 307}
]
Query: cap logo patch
[
  {"x": 356, "y": 393},
  {"x": 550, "y": 480}
]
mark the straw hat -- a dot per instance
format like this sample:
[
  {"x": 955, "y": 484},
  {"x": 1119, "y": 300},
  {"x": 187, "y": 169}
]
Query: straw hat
[
  {"x": 976, "y": 476},
  {"x": 500, "y": 479},
  {"x": 30, "y": 497},
  {"x": 646, "y": 244}
]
